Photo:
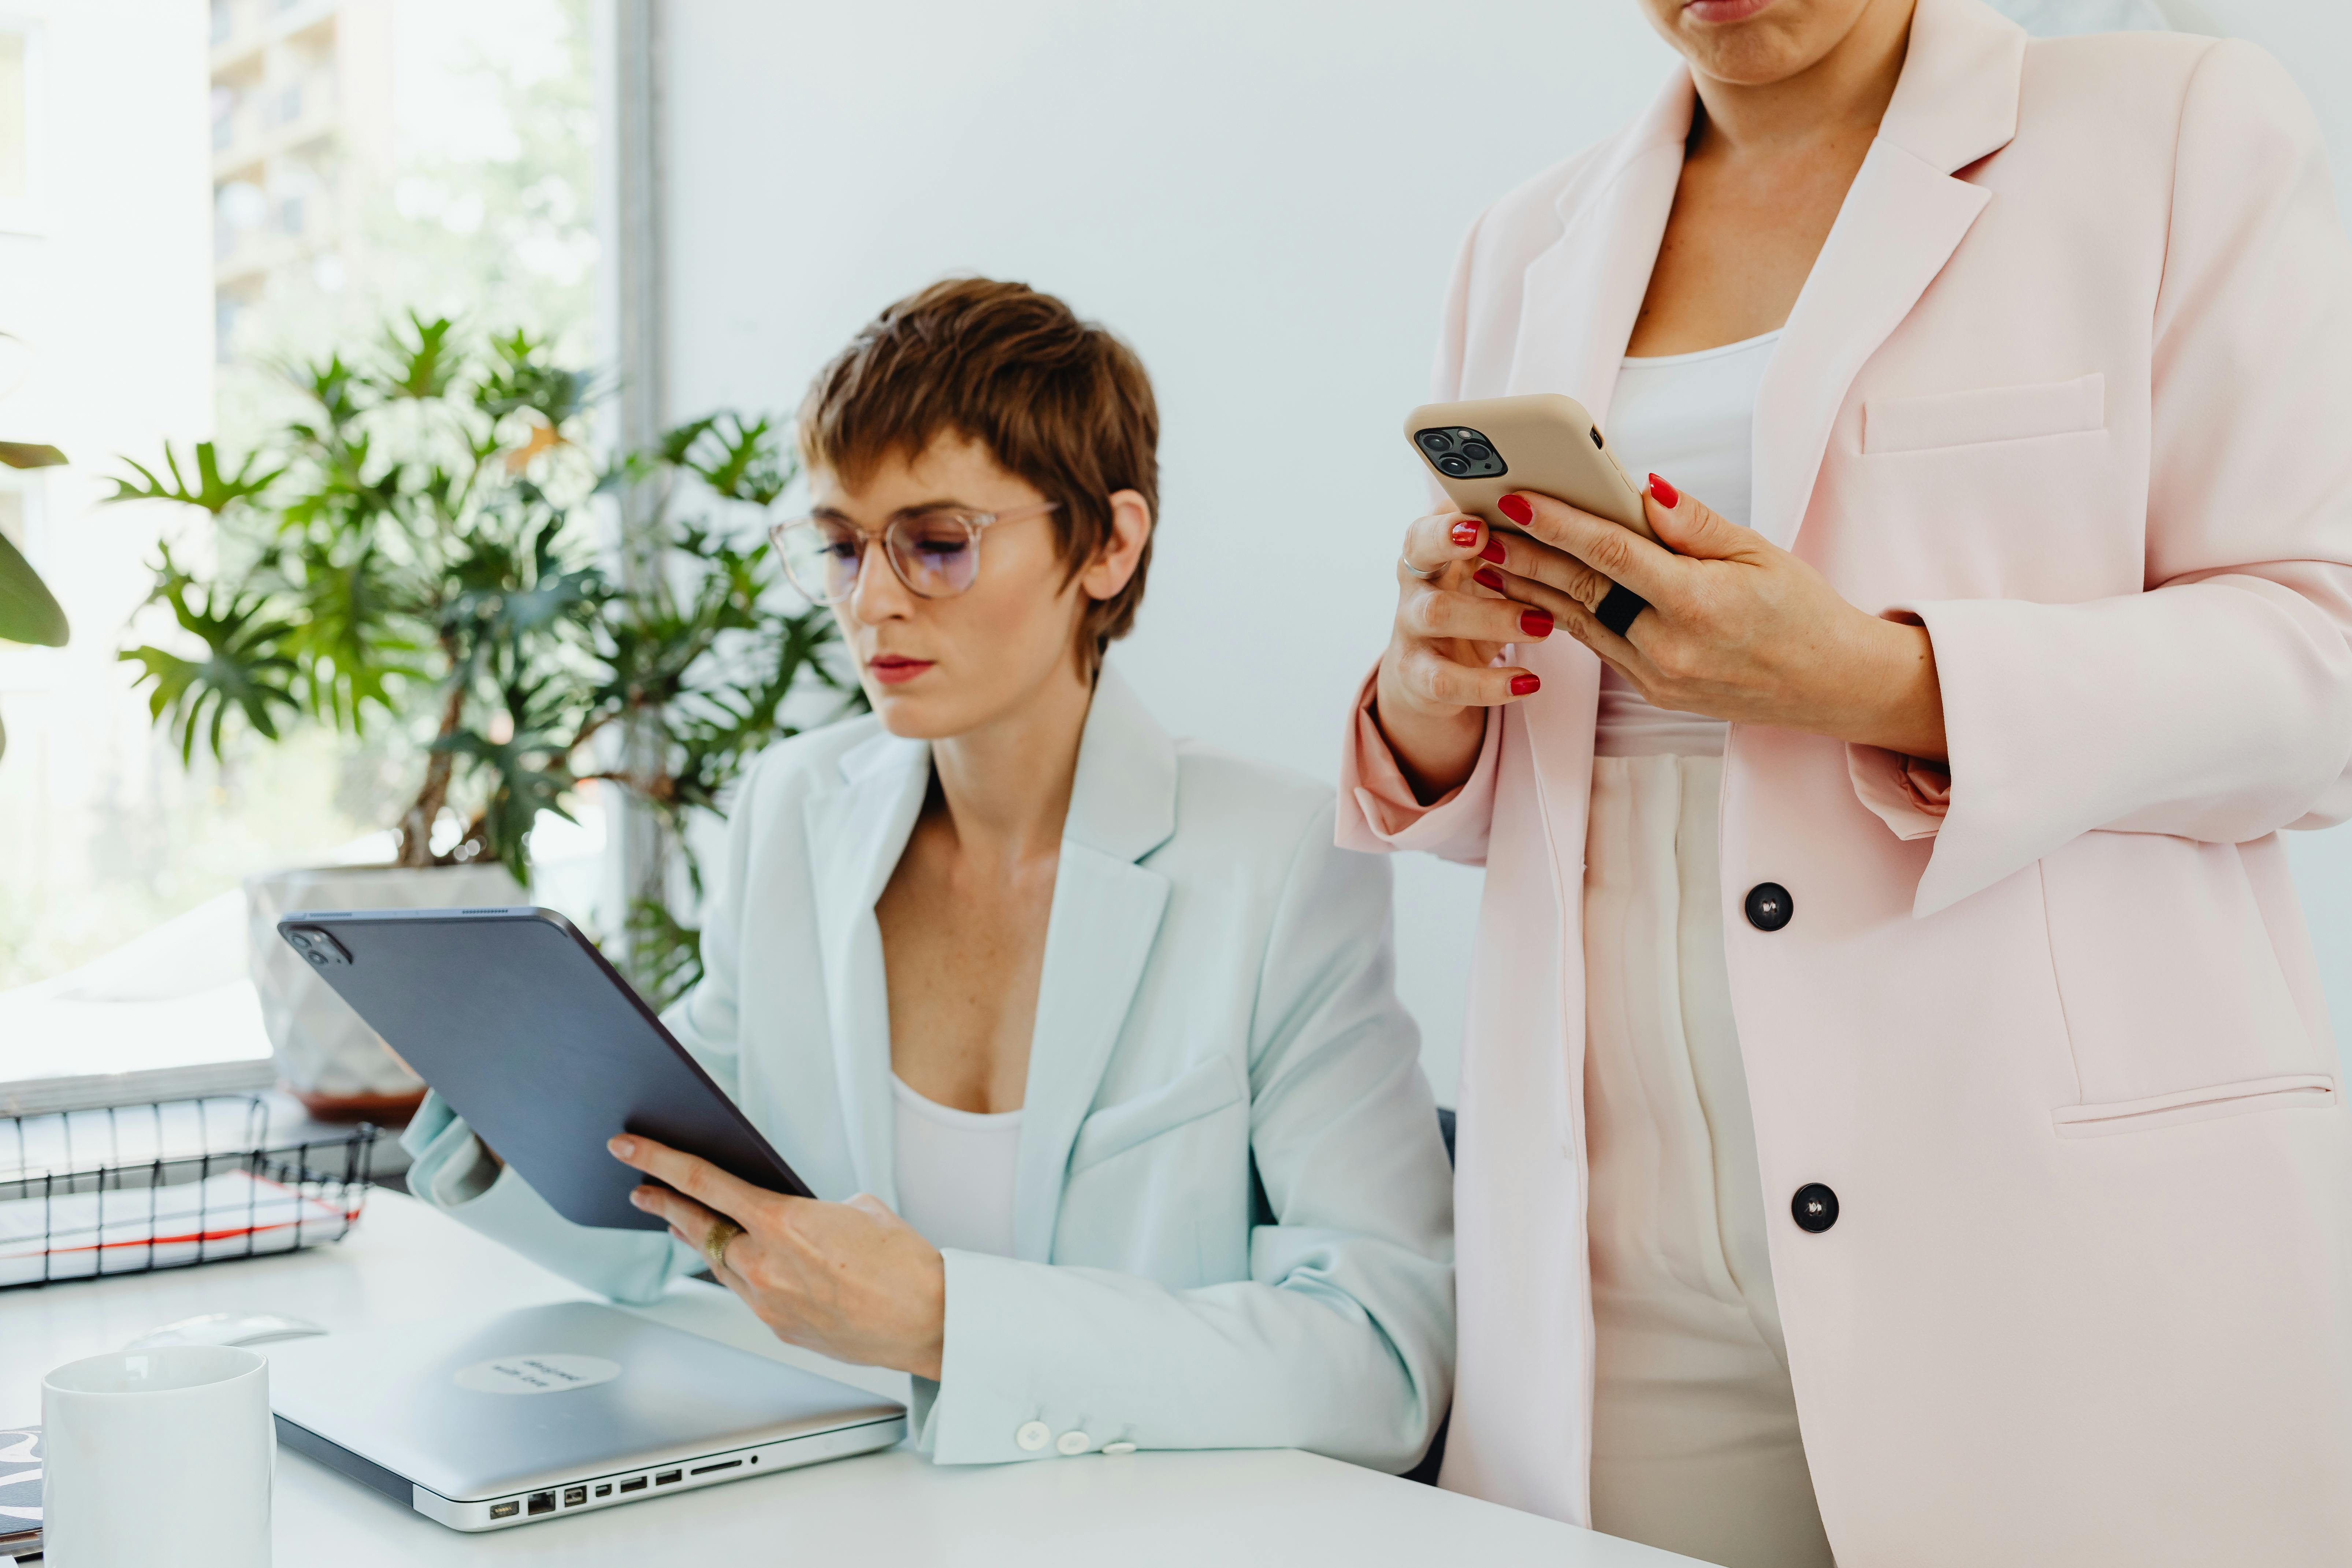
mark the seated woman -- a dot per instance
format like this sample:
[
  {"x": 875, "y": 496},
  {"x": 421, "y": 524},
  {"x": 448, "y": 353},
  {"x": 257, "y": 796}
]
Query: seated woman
[{"x": 1085, "y": 1037}]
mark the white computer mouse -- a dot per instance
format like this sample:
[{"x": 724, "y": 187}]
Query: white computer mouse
[{"x": 228, "y": 1329}]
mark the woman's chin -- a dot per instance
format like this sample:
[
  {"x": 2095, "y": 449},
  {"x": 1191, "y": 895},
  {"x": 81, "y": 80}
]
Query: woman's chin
[{"x": 915, "y": 715}]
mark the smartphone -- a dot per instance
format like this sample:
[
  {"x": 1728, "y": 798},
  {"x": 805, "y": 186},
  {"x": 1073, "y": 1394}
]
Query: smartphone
[{"x": 1484, "y": 449}]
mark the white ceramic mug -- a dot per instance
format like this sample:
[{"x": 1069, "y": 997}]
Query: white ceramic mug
[{"x": 158, "y": 1457}]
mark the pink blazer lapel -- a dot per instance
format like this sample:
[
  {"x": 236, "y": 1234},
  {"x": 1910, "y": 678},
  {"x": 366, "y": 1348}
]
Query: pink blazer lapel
[
  {"x": 1583, "y": 292},
  {"x": 1580, "y": 295},
  {"x": 1901, "y": 221}
]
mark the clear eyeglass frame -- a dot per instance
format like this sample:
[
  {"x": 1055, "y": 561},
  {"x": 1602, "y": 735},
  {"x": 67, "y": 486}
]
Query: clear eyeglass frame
[{"x": 934, "y": 553}]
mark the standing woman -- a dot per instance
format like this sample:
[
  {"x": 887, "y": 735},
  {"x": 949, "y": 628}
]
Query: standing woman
[{"x": 1899, "y": 1119}]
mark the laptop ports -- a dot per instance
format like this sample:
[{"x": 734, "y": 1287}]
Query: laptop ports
[
  {"x": 666, "y": 1477},
  {"x": 542, "y": 1502},
  {"x": 604, "y": 1490},
  {"x": 635, "y": 1484},
  {"x": 574, "y": 1496},
  {"x": 505, "y": 1510}
]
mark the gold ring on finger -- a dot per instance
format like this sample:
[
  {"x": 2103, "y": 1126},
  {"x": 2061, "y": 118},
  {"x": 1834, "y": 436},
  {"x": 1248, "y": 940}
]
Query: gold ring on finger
[{"x": 714, "y": 1242}]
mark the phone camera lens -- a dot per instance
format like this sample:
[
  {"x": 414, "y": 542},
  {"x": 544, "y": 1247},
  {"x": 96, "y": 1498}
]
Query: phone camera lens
[
  {"x": 1453, "y": 466},
  {"x": 1433, "y": 440},
  {"x": 1478, "y": 452}
]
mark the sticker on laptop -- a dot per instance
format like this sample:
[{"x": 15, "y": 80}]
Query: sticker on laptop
[{"x": 537, "y": 1374}]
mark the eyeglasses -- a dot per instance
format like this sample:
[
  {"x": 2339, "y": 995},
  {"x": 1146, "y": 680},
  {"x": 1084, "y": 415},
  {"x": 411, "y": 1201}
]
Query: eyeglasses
[{"x": 936, "y": 554}]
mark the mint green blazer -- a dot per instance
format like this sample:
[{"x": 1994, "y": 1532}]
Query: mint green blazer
[{"x": 1233, "y": 1213}]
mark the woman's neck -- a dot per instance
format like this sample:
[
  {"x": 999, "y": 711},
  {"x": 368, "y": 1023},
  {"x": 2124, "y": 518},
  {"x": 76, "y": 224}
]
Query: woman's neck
[
  {"x": 1844, "y": 92},
  {"x": 1005, "y": 787}
]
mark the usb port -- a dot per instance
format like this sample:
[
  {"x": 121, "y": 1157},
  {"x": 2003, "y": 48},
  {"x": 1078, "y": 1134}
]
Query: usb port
[
  {"x": 604, "y": 1490},
  {"x": 637, "y": 1485},
  {"x": 730, "y": 1464},
  {"x": 666, "y": 1477},
  {"x": 542, "y": 1502},
  {"x": 574, "y": 1496},
  {"x": 505, "y": 1510}
]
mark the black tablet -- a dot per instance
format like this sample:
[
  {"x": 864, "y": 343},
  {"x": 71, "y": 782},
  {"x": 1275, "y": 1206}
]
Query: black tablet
[{"x": 519, "y": 1022}]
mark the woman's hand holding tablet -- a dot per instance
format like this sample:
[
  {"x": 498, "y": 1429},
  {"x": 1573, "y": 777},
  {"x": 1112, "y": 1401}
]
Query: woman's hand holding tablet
[{"x": 852, "y": 1281}]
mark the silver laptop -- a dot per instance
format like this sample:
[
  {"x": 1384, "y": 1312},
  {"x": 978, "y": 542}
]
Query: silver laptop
[{"x": 485, "y": 1423}]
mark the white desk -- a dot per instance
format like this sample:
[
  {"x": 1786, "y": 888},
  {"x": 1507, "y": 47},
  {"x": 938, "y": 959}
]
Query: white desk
[{"x": 403, "y": 1262}]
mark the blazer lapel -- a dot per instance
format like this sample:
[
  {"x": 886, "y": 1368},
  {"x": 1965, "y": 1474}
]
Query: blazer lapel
[
  {"x": 856, "y": 835},
  {"x": 1584, "y": 291},
  {"x": 1901, "y": 221},
  {"x": 1098, "y": 939}
]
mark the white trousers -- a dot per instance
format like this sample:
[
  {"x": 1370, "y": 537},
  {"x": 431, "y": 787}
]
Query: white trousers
[{"x": 1695, "y": 1440}]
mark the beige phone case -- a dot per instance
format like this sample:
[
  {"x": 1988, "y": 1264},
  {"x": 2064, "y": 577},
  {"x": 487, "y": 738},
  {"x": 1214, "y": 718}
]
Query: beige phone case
[{"x": 1545, "y": 442}]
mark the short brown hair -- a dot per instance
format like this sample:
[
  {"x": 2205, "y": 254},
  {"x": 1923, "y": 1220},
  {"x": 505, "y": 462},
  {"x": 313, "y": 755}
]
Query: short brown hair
[{"x": 1057, "y": 401}]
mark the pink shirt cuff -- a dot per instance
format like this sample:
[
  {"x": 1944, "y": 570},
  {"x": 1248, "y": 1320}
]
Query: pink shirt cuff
[
  {"x": 1387, "y": 816},
  {"x": 1911, "y": 796}
]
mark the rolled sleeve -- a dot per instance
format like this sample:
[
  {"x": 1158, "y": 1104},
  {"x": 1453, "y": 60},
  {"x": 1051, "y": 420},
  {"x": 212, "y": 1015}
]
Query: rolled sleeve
[{"x": 1377, "y": 811}]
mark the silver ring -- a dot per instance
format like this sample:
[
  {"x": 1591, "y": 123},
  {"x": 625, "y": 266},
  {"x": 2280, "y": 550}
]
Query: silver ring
[{"x": 1417, "y": 572}]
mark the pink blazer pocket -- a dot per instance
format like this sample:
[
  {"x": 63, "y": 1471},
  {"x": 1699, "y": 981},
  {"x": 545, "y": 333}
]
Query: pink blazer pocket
[
  {"x": 1985, "y": 413},
  {"x": 2306, "y": 1092}
]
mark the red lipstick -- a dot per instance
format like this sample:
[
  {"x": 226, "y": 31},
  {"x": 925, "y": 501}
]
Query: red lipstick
[{"x": 896, "y": 669}]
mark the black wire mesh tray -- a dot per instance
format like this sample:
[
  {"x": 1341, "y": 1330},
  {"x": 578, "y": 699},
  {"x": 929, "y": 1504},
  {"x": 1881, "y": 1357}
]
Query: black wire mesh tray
[{"x": 170, "y": 1185}]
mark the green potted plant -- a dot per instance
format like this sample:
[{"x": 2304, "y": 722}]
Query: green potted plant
[
  {"x": 416, "y": 551},
  {"x": 29, "y": 613}
]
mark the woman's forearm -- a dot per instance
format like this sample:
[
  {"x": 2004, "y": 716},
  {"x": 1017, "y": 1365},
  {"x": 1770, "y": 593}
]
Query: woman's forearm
[
  {"x": 1902, "y": 708},
  {"x": 1435, "y": 751}
]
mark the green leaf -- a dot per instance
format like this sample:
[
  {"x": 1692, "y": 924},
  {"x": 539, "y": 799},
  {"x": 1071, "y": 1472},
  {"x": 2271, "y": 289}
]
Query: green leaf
[
  {"x": 426, "y": 367},
  {"x": 742, "y": 462},
  {"x": 245, "y": 667},
  {"x": 214, "y": 490},
  {"x": 22, "y": 455},
  {"x": 665, "y": 955},
  {"x": 28, "y": 612}
]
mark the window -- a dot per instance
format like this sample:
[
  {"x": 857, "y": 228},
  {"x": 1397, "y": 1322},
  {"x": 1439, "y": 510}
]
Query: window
[
  {"x": 20, "y": 72},
  {"x": 344, "y": 191}
]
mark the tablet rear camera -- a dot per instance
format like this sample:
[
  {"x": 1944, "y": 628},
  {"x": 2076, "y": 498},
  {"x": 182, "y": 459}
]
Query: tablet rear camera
[{"x": 322, "y": 951}]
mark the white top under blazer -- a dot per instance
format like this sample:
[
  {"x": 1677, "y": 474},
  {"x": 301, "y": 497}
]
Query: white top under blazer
[{"x": 1688, "y": 418}]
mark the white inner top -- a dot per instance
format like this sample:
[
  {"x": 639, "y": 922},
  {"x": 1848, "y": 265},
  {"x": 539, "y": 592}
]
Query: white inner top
[
  {"x": 955, "y": 1173},
  {"x": 1688, "y": 419}
]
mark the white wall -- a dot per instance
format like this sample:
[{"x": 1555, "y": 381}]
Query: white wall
[{"x": 1264, "y": 199}]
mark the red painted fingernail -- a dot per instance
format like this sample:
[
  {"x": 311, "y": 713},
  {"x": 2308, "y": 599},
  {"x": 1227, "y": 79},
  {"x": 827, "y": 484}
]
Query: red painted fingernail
[
  {"x": 1494, "y": 552},
  {"x": 1535, "y": 622},
  {"x": 1668, "y": 497},
  {"x": 1486, "y": 579},
  {"x": 1465, "y": 534},
  {"x": 1524, "y": 685},
  {"x": 1517, "y": 509}
]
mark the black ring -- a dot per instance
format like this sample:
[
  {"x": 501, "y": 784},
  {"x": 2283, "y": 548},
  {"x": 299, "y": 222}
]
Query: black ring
[{"x": 1618, "y": 606}]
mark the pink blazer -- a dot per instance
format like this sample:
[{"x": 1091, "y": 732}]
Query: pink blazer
[{"x": 2071, "y": 383}]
